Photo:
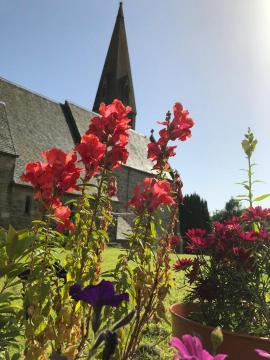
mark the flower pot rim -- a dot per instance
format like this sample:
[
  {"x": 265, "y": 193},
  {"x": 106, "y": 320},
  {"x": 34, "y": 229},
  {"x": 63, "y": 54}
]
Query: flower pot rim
[{"x": 210, "y": 328}]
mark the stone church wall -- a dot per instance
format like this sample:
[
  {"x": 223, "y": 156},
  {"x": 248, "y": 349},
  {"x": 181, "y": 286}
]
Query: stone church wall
[
  {"x": 18, "y": 208},
  {"x": 7, "y": 163}
]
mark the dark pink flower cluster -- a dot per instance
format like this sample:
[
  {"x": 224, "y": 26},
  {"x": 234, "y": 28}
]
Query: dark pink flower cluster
[
  {"x": 257, "y": 214},
  {"x": 231, "y": 241}
]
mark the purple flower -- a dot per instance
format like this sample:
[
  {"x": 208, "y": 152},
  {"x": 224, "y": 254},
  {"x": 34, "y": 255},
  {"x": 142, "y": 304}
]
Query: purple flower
[
  {"x": 263, "y": 353},
  {"x": 190, "y": 348},
  {"x": 98, "y": 295}
]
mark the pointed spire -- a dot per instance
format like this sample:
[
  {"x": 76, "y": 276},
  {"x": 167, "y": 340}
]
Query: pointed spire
[{"x": 116, "y": 79}]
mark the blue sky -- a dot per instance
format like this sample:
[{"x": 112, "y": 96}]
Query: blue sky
[{"x": 213, "y": 56}]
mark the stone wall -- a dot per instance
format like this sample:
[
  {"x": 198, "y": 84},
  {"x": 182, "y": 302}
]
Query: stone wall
[
  {"x": 7, "y": 163},
  {"x": 18, "y": 208}
]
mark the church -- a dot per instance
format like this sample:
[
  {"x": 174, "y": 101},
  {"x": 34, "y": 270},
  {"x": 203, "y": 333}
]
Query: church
[{"x": 31, "y": 123}]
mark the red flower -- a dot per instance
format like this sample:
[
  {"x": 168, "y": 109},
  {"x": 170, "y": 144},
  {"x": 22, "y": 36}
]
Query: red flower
[
  {"x": 197, "y": 239},
  {"x": 111, "y": 130},
  {"x": 254, "y": 235},
  {"x": 53, "y": 178},
  {"x": 175, "y": 240},
  {"x": 91, "y": 151},
  {"x": 257, "y": 214},
  {"x": 116, "y": 156},
  {"x": 178, "y": 128},
  {"x": 115, "y": 110},
  {"x": 150, "y": 194},
  {"x": 181, "y": 124},
  {"x": 62, "y": 218},
  {"x": 182, "y": 264},
  {"x": 63, "y": 168},
  {"x": 154, "y": 151}
]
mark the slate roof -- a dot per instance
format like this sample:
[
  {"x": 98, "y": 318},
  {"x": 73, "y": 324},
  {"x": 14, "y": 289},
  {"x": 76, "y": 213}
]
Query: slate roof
[
  {"x": 36, "y": 123},
  {"x": 6, "y": 143}
]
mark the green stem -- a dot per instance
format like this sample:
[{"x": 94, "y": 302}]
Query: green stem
[{"x": 249, "y": 181}]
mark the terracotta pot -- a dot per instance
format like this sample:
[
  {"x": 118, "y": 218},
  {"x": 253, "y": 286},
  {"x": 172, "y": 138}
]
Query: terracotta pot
[{"x": 237, "y": 346}]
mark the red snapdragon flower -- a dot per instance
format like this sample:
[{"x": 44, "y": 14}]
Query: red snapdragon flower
[
  {"x": 91, "y": 151},
  {"x": 150, "y": 194},
  {"x": 111, "y": 130},
  {"x": 181, "y": 123},
  {"x": 51, "y": 179},
  {"x": 116, "y": 156},
  {"x": 62, "y": 218},
  {"x": 178, "y": 128}
]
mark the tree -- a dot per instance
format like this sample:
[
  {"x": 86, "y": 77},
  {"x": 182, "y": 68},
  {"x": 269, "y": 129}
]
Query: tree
[
  {"x": 232, "y": 208},
  {"x": 194, "y": 214}
]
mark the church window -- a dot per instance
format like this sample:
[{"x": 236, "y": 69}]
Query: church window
[{"x": 27, "y": 206}]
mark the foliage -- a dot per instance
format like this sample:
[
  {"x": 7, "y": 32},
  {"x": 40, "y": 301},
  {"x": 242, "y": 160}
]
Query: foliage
[
  {"x": 230, "y": 276},
  {"x": 65, "y": 310},
  {"x": 232, "y": 208}
]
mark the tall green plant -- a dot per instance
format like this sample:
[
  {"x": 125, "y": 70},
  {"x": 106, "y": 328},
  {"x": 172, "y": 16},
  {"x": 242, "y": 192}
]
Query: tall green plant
[
  {"x": 145, "y": 268},
  {"x": 249, "y": 144}
]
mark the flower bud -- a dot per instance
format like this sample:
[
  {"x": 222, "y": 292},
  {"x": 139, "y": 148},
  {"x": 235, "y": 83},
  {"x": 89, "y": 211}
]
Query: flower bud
[
  {"x": 112, "y": 186},
  {"x": 216, "y": 338}
]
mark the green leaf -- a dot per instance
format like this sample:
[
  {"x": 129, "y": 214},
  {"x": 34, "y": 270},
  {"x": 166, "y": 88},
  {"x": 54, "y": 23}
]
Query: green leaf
[
  {"x": 262, "y": 197},
  {"x": 41, "y": 326},
  {"x": 18, "y": 242},
  {"x": 16, "y": 356},
  {"x": 153, "y": 229}
]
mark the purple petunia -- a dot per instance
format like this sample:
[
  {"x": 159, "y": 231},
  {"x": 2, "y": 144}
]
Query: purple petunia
[
  {"x": 263, "y": 353},
  {"x": 190, "y": 348},
  {"x": 98, "y": 295}
]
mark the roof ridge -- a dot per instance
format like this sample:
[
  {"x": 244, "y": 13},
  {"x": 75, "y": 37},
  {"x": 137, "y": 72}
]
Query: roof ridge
[{"x": 30, "y": 91}]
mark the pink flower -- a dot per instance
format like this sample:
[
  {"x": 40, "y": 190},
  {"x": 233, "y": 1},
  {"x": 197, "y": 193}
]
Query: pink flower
[
  {"x": 256, "y": 214},
  {"x": 175, "y": 240},
  {"x": 254, "y": 235},
  {"x": 263, "y": 353},
  {"x": 197, "y": 239},
  {"x": 190, "y": 348},
  {"x": 183, "y": 264}
]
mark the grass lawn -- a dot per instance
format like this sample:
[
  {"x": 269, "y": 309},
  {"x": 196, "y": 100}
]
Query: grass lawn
[{"x": 156, "y": 337}]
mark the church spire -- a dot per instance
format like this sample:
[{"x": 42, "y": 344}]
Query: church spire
[{"x": 116, "y": 79}]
